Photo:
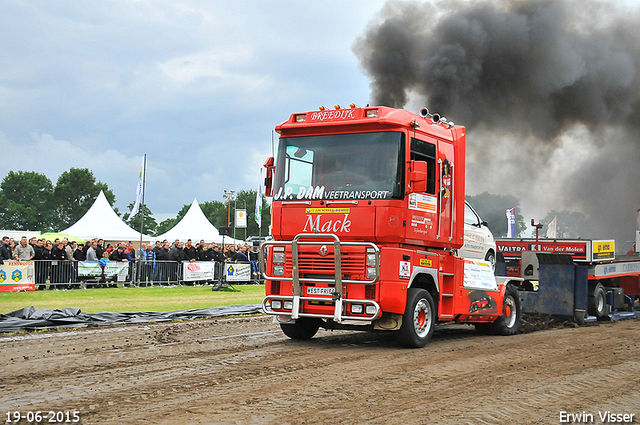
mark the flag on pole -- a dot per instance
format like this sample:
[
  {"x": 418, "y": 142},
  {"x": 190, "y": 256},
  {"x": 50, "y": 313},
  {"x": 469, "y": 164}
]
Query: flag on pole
[
  {"x": 258, "y": 215},
  {"x": 552, "y": 229},
  {"x": 136, "y": 205},
  {"x": 511, "y": 223}
]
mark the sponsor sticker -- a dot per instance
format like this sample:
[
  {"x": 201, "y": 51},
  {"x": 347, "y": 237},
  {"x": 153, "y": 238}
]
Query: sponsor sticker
[
  {"x": 405, "y": 269},
  {"x": 425, "y": 263},
  {"x": 328, "y": 210},
  {"x": 420, "y": 202},
  {"x": 603, "y": 250}
]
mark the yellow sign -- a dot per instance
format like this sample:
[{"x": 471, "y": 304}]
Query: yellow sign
[
  {"x": 424, "y": 262},
  {"x": 328, "y": 210},
  {"x": 603, "y": 250}
]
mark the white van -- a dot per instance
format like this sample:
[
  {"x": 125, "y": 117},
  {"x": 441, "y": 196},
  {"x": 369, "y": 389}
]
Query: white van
[{"x": 478, "y": 239}]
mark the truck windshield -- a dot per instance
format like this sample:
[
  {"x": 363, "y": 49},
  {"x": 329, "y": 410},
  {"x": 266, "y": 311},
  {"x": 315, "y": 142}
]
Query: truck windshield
[{"x": 340, "y": 166}]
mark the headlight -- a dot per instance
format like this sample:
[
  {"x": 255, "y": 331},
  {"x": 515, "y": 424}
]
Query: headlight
[
  {"x": 276, "y": 304},
  {"x": 371, "y": 310},
  {"x": 371, "y": 272},
  {"x": 278, "y": 257},
  {"x": 278, "y": 269},
  {"x": 357, "y": 308},
  {"x": 371, "y": 260},
  {"x": 288, "y": 305}
]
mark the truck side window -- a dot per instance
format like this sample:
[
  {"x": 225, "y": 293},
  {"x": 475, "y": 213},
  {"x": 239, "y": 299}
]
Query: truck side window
[
  {"x": 424, "y": 151},
  {"x": 470, "y": 217}
]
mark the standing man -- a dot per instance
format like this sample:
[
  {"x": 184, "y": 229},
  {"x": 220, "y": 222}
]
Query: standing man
[
  {"x": 5, "y": 249},
  {"x": 57, "y": 266},
  {"x": 40, "y": 267},
  {"x": 24, "y": 251},
  {"x": 190, "y": 252},
  {"x": 92, "y": 255},
  {"x": 99, "y": 248}
]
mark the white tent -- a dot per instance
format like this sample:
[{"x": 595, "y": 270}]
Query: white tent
[
  {"x": 101, "y": 221},
  {"x": 195, "y": 226}
]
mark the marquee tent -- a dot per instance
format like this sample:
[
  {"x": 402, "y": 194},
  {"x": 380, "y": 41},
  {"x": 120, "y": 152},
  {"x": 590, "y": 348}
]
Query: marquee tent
[
  {"x": 195, "y": 226},
  {"x": 101, "y": 221}
]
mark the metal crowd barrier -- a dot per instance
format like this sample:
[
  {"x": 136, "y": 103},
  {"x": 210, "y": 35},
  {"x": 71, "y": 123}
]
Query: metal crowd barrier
[{"x": 49, "y": 274}]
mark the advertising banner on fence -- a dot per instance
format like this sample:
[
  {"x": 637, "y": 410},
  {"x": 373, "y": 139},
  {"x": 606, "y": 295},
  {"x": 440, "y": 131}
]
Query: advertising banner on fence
[
  {"x": 111, "y": 269},
  {"x": 200, "y": 270},
  {"x": 16, "y": 276},
  {"x": 238, "y": 272}
]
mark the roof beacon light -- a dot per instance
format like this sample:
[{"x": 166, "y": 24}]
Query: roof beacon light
[
  {"x": 338, "y": 107},
  {"x": 353, "y": 105},
  {"x": 322, "y": 108}
]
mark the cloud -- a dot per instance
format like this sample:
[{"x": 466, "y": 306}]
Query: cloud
[{"x": 197, "y": 86}]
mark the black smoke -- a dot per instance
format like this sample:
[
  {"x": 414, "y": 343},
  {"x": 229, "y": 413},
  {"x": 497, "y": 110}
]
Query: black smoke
[{"x": 525, "y": 77}]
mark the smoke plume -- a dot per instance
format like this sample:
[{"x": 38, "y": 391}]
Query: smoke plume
[{"x": 549, "y": 91}]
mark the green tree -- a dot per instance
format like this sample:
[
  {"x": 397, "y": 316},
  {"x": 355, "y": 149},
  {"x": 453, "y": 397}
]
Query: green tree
[
  {"x": 75, "y": 192},
  {"x": 165, "y": 225},
  {"x": 492, "y": 208},
  {"x": 27, "y": 201},
  {"x": 245, "y": 199},
  {"x": 216, "y": 212},
  {"x": 150, "y": 224}
]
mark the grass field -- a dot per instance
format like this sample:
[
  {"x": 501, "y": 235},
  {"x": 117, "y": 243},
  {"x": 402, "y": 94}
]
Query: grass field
[{"x": 123, "y": 300}]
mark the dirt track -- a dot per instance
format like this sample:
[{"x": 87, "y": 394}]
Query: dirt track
[{"x": 244, "y": 371}]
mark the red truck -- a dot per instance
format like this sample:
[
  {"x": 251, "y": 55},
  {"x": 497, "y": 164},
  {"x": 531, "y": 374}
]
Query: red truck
[{"x": 367, "y": 216}]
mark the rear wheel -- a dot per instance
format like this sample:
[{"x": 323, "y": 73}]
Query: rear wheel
[
  {"x": 491, "y": 259},
  {"x": 418, "y": 320},
  {"x": 304, "y": 328},
  {"x": 509, "y": 322},
  {"x": 597, "y": 301}
]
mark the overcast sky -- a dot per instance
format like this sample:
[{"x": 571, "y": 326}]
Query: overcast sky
[{"x": 196, "y": 85}]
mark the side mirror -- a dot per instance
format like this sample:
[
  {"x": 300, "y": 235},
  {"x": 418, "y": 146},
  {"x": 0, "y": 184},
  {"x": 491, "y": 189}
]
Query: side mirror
[
  {"x": 418, "y": 176},
  {"x": 268, "y": 180}
]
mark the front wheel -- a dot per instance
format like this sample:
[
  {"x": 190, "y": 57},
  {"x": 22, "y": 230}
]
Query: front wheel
[
  {"x": 418, "y": 320},
  {"x": 304, "y": 328}
]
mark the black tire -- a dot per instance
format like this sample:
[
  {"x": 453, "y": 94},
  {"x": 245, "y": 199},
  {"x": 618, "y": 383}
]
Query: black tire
[
  {"x": 597, "y": 301},
  {"x": 302, "y": 329},
  {"x": 491, "y": 259},
  {"x": 419, "y": 319},
  {"x": 509, "y": 322}
]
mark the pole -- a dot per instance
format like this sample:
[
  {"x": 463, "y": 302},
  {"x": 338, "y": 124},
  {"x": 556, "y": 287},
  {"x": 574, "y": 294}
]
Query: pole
[
  {"x": 144, "y": 181},
  {"x": 235, "y": 216}
]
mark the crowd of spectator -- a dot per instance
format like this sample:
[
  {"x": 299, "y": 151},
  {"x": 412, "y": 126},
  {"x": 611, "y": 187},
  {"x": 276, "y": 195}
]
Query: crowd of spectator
[{"x": 54, "y": 259}]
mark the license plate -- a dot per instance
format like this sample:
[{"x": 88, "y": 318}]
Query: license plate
[{"x": 312, "y": 290}]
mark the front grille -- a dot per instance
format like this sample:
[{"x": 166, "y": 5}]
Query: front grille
[{"x": 352, "y": 263}]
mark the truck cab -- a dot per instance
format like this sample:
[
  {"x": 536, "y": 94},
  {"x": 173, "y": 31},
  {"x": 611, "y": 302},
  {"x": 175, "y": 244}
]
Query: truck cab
[{"x": 367, "y": 215}]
